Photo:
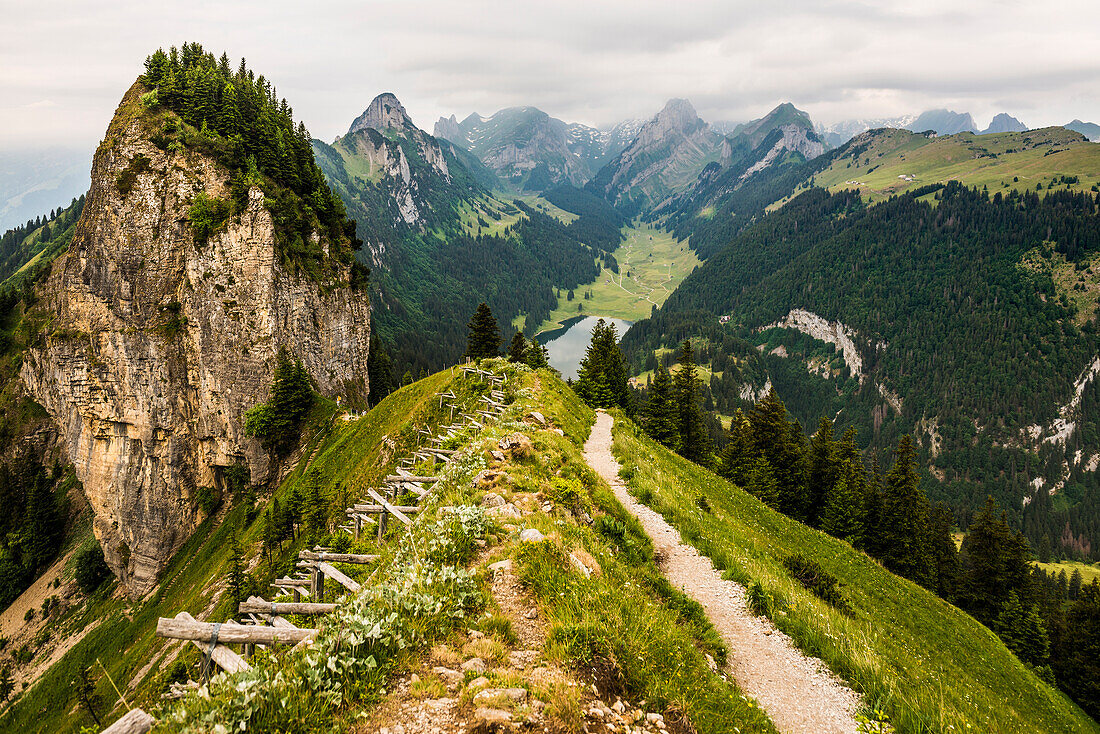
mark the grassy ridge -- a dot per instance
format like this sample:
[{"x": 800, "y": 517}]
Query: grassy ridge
[
  {"x": 1001, "y": 161},
  {"x": 351, "y": 453},
  {"x": 929, "y": 666}
]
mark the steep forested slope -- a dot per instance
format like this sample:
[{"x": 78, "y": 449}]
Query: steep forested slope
[{"x": 956, "y": 339}]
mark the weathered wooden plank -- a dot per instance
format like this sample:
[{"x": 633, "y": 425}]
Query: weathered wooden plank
[
  {"x": 338, "y": 576},
  {"x": 397, "y": 478},
  {"x": 225, "y": 658},
  {"x": 287, "y": 581},
  {"x": 392, "y": 510},
  {"x": 337, "y": 557},
  {"x": 186, "y": 628},
  {"x": 134, "y": 721},
  {"x": 285, "y": 607},
  {"x": 379, "y": 508}
]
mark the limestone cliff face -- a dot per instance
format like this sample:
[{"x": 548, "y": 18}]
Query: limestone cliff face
[{"x": 160, "y": 345}]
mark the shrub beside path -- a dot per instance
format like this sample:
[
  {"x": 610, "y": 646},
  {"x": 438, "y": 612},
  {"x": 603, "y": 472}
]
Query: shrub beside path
[{"x": 799, "y": 693}]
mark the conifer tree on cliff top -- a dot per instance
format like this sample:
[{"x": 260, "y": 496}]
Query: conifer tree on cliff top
[{"x": 483, "y": 340}]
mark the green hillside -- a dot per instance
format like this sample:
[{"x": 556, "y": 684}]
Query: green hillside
[
  {"x": 645, "y": 633},
  {"x": 935, "y": 289},
  {"x": 881, "y": 163},
  {"x": 925, "y": 664},
  {"x": 929, "y": 666},
  {"x": 440, "y": 242}
]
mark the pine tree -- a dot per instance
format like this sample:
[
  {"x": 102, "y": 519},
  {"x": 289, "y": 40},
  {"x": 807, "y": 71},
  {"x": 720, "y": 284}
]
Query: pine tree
[
  {"x": 994, "y": 562},
  {"x": 842, "y": 516},
  {"x": 735, "y": 461},
  {"x": 379, "y": 370},
  {"x": 780, "y": 442},
  {"x": 234, "y": 577},
  {"x": 517, "y": 350},
  {"x": 694, "y": 437},
  {"x": 85, "y": 691},
  {"x": 536, "y": 355},
  {"x": 7, "y": 685},
  {"x": 762, "y": 484},
  {"x": 661, "y": 418},
  {"x": 822, "y": 471},
  {"x": 1075, "y": 581},
  {"x": 483, "y": 340},
  {"x": 1022, "y": 631},
  {"x": 602, "y": 377},
  {"x": 906, "y": 549},
  {"x": 945, "y": 555},
  {"x": 1078, "y": 661},
  {"x": 271, "y": 532}
]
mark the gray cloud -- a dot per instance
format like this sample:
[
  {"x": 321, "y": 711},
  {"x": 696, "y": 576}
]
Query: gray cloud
[{"x": 65, "y": 65}]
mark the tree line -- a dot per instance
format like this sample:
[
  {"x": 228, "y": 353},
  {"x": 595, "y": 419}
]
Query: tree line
[
  {"x": 945, "y": 316},
  {"x": 1051, "y": 624},
  {"x": 240, "y": 119}
]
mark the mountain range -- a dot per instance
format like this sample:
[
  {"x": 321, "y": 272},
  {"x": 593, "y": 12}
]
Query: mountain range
[
  {"x": 530, "y": 150},
  {"x": 244, "y": 346}
]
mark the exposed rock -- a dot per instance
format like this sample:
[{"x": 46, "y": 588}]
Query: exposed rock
[
  {"x": 475, "y": 664},
  {"x": 531, "y": 535},
  {"x": 505, "y": 565},
  {"x": 492, "y": 500},
  {"x": 671, "y": 148},
  {"x": 451, "y": 678},
  {"x": 532, "y": 150},
  {"x": 159, "y": 346},
  {"x": 489, "y": 719},
  {"x": 584, "y": 563},
  {"x": 385, "y": 112},
  {"x": 507, "y": 511},
  {"x": 486, "y": 476},
  {"x": 517, "y": 444}
]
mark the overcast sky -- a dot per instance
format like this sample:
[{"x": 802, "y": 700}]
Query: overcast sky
[{"x": 65, "y": 65}]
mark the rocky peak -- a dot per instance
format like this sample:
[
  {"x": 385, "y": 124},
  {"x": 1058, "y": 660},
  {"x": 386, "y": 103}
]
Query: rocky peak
[
  {"x": 385, "y": 112},
  {"x": 1004, "y": 123},
  {"x": 448, "y": 129},
  {"x": 677, "y": 114},
  {"x": 159, "y": 345}
]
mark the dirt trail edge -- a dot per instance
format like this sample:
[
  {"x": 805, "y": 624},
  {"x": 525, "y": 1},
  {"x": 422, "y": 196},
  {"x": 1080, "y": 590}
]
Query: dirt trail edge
[{"x": 799, "y": 693}]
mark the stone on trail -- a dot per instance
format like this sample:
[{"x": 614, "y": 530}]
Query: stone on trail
[{"x": 531, "y": 535}]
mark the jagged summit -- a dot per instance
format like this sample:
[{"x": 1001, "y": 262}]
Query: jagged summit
[
  {"x": 785, "y": 114},
  {"x": 384, "y": 113},
  {"x": 529, "y": 149},
  {"x": 1004, "y": 123},
  {"x": 678, "y": 113}
]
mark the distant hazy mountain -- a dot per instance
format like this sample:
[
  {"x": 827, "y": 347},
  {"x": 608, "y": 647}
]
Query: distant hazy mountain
[
  {"x": 664, "y": 159},
  {"x": 944, "y": 122},
  {"x": 839, "y": 133},
  {"x": 1089, "y": 129},
  {"x": 532, "y": 150},
  {"x": 1005, "y": 123},
  {"x": 33, "y": 182},
  {"x": 782, "y": 139},
  {"x": 725, "y": 127}
]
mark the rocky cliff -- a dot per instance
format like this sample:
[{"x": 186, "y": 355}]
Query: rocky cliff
[{"x": 160, "y": 344}]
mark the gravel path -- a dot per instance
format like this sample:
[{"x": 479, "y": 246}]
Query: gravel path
[{"x": 799, "y": 693}]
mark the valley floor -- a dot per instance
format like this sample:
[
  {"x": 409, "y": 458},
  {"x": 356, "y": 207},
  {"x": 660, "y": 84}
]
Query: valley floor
[{"x": 652, "y": 262}]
